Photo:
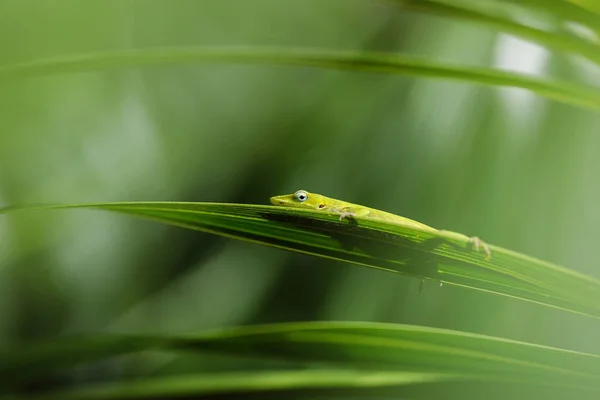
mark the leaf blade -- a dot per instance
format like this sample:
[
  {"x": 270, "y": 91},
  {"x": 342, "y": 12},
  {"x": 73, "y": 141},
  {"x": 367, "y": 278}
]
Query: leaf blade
[
  {"x": 376, "y": 244},
  {"x": 375, "y": 62},
  {"x": 482, "y": 13},
  {"x": 343, "y": 354}
]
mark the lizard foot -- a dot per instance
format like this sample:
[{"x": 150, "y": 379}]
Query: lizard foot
[
  {"x": 346, "y": 214},
  {"x": 343, "y": 214},
  {"x": 479, "y": 243}
]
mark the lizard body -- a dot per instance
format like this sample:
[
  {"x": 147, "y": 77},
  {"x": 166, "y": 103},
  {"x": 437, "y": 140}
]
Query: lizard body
[{"x": 314, "y": 201}]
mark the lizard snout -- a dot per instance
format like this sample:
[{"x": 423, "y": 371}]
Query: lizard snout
[{"x": 276, "y": 201}]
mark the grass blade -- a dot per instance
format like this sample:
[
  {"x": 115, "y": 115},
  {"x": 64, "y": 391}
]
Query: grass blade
[
  {"x": 406, "y": 250},
  {"x": 247, "y": 383},
  {"x": 483, "y": 13},
  {"x": 564, "y": 92},
  {"x": 331, "y": 354},
  {"x": 565, "y": 10},
  {"x": 590, "y": 5}
]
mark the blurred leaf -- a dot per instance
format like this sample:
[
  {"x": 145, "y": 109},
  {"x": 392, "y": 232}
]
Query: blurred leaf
[
  {"x": 424, "y": 254},
  {"x": 33, "y": 361},
  {"x": 356, "y": 61},
  {"x": 361, "y": 354},
  {"x": 489, "y": 13},
  {"x": 564, "y": 10},
  {"x": 247, "y": 382},
  {"x": 591, "y": 5}
]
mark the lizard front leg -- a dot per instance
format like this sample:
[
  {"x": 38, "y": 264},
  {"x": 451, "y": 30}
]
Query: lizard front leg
[
  {"x": 475, "y": 241},
  {"x": 349, "y": 212}
]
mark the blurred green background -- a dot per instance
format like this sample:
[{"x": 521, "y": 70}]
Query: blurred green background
[{"x": 504, "y": 164}]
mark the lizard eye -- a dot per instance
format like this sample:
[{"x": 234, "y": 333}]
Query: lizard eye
[{"x": 301, "y": 195}]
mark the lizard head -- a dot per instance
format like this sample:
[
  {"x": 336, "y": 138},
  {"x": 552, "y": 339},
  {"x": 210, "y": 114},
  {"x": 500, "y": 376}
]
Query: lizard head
[{"x": 300, "y": 199}]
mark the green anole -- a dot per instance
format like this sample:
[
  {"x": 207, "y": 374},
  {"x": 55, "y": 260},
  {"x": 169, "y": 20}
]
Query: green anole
[{"x": 304, "y": 199}]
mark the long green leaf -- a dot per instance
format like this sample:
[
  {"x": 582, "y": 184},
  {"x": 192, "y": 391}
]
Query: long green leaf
[
  {"x": 563, "y": 10},
  {"x": 355, "y": 61},
  {"x": 331, "y": 354},
  {"x": 380, "y": 245},
  {"x": 591, "y": 5},
  {"x": 482, "y": 12},
  {"x": 246, "y": 383}
]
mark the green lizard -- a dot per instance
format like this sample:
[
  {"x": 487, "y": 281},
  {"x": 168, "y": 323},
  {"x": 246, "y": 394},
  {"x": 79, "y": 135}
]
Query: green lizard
[{"x": 304, "y": 199}]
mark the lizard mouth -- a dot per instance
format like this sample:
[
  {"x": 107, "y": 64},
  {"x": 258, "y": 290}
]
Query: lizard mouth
[{"x": 276, "y": 202}]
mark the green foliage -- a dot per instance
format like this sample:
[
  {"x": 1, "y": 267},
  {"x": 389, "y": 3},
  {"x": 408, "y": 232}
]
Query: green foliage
[
  {"x": 122, "y": 100},
  {"x": 351, "y": 355},
  {"x": 363, "y": 61},
  {"x": 388, "y": 247}
]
